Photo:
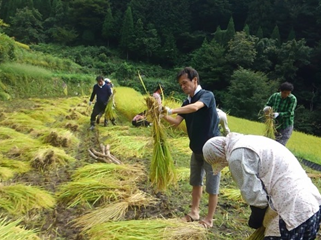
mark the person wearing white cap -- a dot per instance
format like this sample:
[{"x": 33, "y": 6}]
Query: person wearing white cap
[{"x": 269, "y": 177}]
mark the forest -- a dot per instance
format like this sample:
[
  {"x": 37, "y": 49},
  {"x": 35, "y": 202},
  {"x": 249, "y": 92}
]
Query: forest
[{"x": 242, "y": 50}]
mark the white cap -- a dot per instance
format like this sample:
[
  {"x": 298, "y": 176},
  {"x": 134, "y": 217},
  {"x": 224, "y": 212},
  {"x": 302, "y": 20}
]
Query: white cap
[{"x": 107, "y": 80}]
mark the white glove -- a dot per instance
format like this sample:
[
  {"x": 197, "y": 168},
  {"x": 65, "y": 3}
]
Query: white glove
[
  {"x": 267, "y": 108},
  {"x": 89, "y": 103},
  {"x": 275, "y": 115},
  {"x": 167, "y": 110}
]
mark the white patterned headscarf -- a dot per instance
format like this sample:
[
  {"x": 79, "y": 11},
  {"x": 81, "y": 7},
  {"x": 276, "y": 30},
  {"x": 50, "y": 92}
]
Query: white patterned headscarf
[{"x": 214, "y": 153}]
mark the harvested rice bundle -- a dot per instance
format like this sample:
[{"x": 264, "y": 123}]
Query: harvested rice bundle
[
  {"x": 162, "y": 171},
  {"x": 103, "y": 171},
  {"x": 19, "y": 199},
  {"x": 113, "y": 211},
  {"x": 232, "y": 194},
  {"x": 92, "y": 191},
  {"x": 110, "y": 112},
  {"x": 269, "y": 124},
  {"x": 257, "y": 235},
  {"x": 157, "y": 229},
  {"x": 11, "y": 230}
]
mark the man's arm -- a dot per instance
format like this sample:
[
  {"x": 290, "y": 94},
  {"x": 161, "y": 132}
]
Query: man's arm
[{"x": 190, "y": 108}]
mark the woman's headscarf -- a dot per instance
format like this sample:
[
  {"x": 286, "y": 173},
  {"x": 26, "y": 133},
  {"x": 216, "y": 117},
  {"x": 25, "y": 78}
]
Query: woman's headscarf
[{"x": 214, "y": 153}]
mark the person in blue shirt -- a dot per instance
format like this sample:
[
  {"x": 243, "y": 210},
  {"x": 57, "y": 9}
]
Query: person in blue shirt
[
  {"x": 200, "y": 115},
  {"x": 102, "y": 92}
]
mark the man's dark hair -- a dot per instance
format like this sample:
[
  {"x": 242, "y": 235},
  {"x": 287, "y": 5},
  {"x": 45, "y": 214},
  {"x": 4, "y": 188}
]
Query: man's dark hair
[
  {"x": 99, "y": 78},
  {"x": 286, "y": 86},
  {"x": 191, "y": 73}
]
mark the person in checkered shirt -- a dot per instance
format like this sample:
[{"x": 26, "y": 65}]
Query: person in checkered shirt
[{"x": 283, "y": 104}]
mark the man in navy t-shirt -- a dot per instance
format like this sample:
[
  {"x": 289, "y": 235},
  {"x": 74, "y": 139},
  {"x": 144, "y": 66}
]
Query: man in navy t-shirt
[
  {"x": 102, "y": 92},
  {"x": 199, "y": 113}
]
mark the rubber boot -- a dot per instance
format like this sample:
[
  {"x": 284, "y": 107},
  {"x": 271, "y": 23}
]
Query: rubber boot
[{"x": 113, "y": 122}]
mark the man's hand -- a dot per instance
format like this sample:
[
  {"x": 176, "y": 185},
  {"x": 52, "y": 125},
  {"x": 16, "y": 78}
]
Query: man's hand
[
  {"x": 275, "y": 115},
  {"x": 166, "y": 111},
  {"x": 89, "y": 103},
  {"x": 266, "y": 109}
]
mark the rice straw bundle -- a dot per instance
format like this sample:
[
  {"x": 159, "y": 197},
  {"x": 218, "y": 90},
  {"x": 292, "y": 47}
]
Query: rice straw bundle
[
  {"x": 269, "y": 124},
  {"x": 19, "y": 199},
  {"x": 90, "y": 191},
  {"x": 110, "y": 112},
  {"x": 11, "y": 230},
  {"x": 232, "y": 194},
  {"x": 114, "y": 211},
  {"x": 162, "y": 171},
  {"x": 258, "y": 234},
  {"x": 157, "y": 229},
  {"x": 103, "y": 171}
]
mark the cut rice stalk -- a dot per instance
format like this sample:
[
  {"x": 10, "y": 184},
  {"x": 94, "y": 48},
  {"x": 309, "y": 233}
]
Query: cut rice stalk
[
  {"x": 156, "y": 229},
  {"x": 113, "y": 211},
  {"x": 11, "y": 230}
]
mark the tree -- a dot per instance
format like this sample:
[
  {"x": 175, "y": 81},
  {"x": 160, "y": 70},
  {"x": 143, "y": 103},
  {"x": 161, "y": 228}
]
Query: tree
[
  {"x": 127, "y": 31},
  {"x": 230, "y": 31},
  {"x": 246, "y": 29},
  {"x": 276, "y": 34},
  {"x": 26, "y": 26},
  {"x": 260, "y": 15},
  {"x": 259, "y": 33},
  {"x": 210, "y": 62},
  {"x": 248, "y": 93},
  {"x": 108, "y": 30},
  {"x": 291, "y": 56},
  {"x": 241, "y": 50},
  {"x": 43, "y": 6}
]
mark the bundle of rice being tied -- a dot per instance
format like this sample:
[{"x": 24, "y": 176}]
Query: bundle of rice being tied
[
  {"x": 162, "y": 171},
  {"x": 269, "y": 124}
]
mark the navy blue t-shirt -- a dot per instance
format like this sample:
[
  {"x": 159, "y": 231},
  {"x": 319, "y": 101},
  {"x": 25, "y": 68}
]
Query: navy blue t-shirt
[
  {"x": 202, "y": 124},
  {"x": 102, "y": 93}
]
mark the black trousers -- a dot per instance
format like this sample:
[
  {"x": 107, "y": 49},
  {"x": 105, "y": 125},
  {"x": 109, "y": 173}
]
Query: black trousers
[{"x": 98, "y": 108}]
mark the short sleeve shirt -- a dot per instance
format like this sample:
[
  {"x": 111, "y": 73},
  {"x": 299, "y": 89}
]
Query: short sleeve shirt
[{"x": 202, "y": 124}]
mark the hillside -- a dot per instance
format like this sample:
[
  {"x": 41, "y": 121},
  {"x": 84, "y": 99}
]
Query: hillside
[{"x": 50, "y": 138}]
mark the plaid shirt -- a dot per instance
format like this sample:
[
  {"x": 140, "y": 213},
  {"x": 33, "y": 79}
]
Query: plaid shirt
[{"x": 285, "y": 107}]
